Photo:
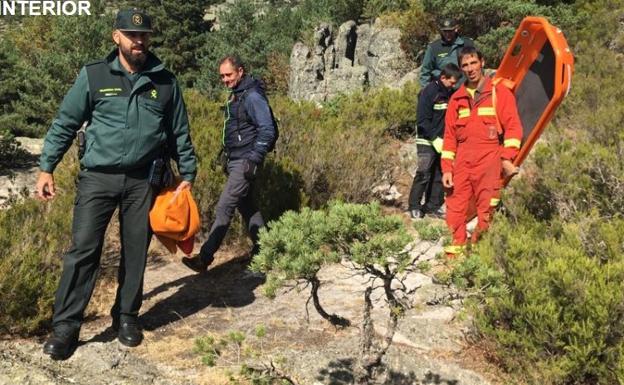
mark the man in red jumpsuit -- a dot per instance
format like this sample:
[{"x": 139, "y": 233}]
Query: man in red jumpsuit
[{"x": 477, "y": 147}]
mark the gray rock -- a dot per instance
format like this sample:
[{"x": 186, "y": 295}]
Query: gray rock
[
  {"x": 387, "y": 62},
  {"x": 351, "y": 60},
  {"x": 408, "y": 155},
  {"x": 33, "y": 145},
  {"x": 361, "y": 49},
  {"x": 345, "y": 45}
]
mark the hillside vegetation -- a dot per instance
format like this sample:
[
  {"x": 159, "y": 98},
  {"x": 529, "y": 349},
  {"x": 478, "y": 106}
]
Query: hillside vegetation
[{"x": 546, "y": 280}]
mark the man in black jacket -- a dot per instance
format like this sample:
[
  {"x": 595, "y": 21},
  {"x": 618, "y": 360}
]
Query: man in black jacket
[
  {"x": 431, "y": 110},
  {"x": 249, "y": 133}
]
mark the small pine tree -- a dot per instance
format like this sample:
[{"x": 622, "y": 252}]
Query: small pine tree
[{"x": 298, "y": 245}]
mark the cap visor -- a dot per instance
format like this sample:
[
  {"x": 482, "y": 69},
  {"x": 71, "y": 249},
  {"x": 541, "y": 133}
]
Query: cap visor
[{"x": 136, "y": 30}]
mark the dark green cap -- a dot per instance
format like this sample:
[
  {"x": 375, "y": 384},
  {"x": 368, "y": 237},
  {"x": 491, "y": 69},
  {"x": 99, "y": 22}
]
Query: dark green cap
[
  {"x": 134, "y": 20},
  {"x": 448, "y": 24}
]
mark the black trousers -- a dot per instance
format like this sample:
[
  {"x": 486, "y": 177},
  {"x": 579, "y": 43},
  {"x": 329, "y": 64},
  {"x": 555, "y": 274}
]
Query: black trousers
[
  {"x": 427, "y": 181},
  {"x": 98, "y": 195},
  {"x": 237, "y": 193}
]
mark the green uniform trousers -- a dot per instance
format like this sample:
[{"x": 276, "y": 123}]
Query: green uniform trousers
[{"x": 98, "y": 195}]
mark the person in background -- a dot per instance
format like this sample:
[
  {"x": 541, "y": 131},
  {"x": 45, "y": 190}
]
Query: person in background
[
  {"x": 432, "y": 103},
  {"x": 249, "y": 133},
  {"x": 443, "y": 51}
]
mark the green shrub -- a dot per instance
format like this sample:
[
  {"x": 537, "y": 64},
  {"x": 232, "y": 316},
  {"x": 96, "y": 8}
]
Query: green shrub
[
  {"x": 430, "y": 231},
  {"x": 556, "y": 301},
  {"x": 417, "y": 27},
  {"x": 298, "y": 245},
  {"x": 179, "y": 33},
  {"x": 47, "y": 54},
  {"x": 11, "y": 153},
  {"x": 34, "y": 236}
]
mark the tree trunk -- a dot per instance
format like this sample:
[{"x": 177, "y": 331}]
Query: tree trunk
[{"x": 334, "y": 319}]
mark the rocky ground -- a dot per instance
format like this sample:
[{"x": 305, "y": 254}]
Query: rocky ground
[{"x": 179, "y": 307}]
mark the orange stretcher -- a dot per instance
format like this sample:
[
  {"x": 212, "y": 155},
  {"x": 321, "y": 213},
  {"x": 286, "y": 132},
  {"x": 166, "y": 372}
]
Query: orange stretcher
[{"x": 537, "y": 68}]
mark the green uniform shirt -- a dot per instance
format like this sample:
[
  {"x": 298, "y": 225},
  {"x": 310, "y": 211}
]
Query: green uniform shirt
[
  {"x": 130, "y": 125},
  {"x": 438, "y": 54}
]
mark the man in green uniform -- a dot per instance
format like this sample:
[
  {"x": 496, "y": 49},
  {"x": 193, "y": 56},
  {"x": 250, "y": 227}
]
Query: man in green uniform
[
  {"x": 134, "y": 111},
  {"x": 443, "y": 51}
]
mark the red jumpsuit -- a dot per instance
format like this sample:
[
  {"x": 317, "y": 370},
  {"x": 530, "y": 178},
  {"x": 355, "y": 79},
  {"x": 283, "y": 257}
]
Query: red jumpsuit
[{"x": 472, "y": 152}]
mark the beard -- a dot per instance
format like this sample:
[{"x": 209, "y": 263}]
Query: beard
[{"x": 135, "y": 59}]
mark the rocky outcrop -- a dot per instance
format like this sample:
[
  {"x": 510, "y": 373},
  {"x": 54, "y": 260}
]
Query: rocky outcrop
[
  {"x": 353, "y": 58},
  {"x": 20, "y": 181}
]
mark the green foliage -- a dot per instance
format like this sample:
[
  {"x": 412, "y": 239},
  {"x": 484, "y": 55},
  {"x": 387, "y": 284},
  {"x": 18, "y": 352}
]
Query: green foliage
[
  {"x": 45, "y": 55},
  {"x": 30, "y": 255},
  {"x": 423, "y": 266},
  {"x": 260, "y": 331},
  {"x": 374, "y": 8},
  {"x": 299, "y": 244},
  {"x": 416, "y": 25},
  {"x": 234, "y": 347},
  {"x": 11, "y": 153},
  {"x": 429, "y": 230},
  {"x": 209, "y": 350},
  {"x": 580, "y": 169},
  {"x": 555, "y": 302},
  {"x": 179, "y": 33},
  {"x": 254, "y": 35}
]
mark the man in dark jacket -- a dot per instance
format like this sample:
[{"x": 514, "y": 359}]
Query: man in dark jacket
[
  {"x": 442, "y": 51},
  {"x": 248, "y": 135},
  {"x": 134, "y": 108},
  {"x": 432, "y": 104}
]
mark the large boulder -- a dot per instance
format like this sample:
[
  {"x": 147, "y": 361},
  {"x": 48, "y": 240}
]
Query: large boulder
[{"x": 354, "y": 58}]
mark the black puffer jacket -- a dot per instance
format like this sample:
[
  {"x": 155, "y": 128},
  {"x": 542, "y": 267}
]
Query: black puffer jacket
[{"x": 248, "y": 130}]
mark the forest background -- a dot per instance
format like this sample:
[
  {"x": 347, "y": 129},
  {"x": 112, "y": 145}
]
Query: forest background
[{"x": 548, "y": 280}]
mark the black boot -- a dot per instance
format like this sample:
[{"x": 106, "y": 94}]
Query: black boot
[
  {"x": 61, "y": 344},
  {"x": 129, "y": 331},
  {"x": 197, "y": 263}
]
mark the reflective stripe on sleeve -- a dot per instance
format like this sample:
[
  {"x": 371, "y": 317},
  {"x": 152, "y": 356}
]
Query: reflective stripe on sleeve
[
  {"x": 440, "y": 106},
  {"x": 512, "y": 143},
  {"x": 494, "y": 202},
  {"x": 424, "y": 142},
  {"x": 448, "y": 155},
  {"x": 463, "y": 113}
]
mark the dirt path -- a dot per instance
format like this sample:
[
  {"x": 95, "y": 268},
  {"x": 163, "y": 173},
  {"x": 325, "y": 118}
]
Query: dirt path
[{"x": 180, "y": 306}]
